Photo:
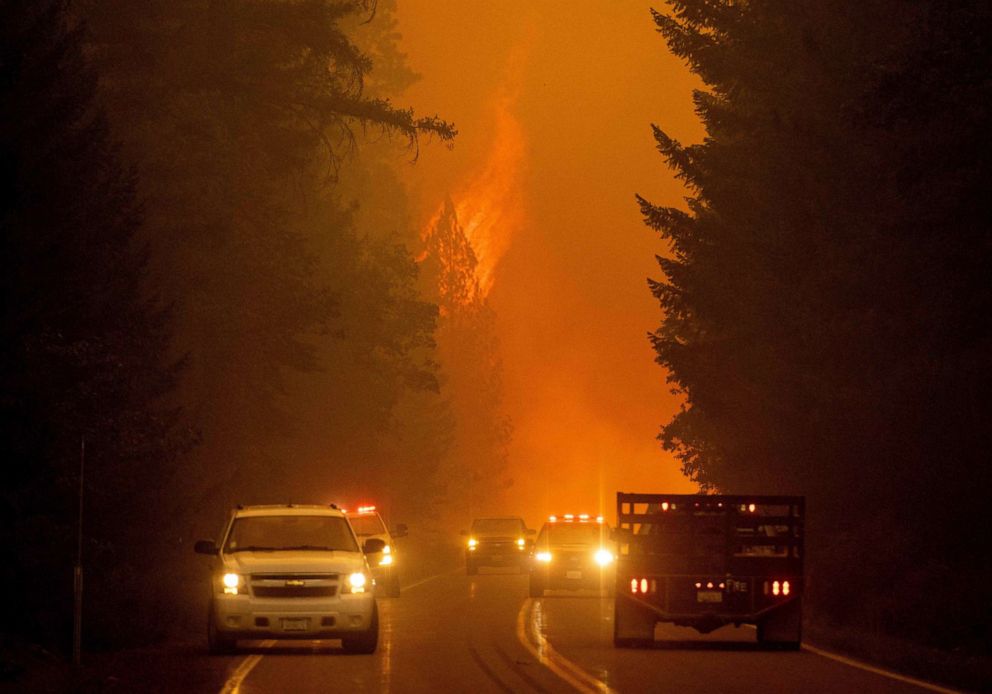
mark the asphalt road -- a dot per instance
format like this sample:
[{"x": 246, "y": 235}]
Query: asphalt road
[{"x": 455, "y": 633}]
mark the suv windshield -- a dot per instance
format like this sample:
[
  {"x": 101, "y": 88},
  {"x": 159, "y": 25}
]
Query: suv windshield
[
  {"x": 367, "y": 524},
  {"x": 498, "y": 526},
  {"x": 267, "y": 533},
  {"x": 572, "y": 534}
]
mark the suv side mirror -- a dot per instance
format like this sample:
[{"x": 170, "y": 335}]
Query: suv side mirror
[
  {"x": 373, "y": 545},
  {"x": 400, "y": 530},
  {"x": 206, "y": 547}
]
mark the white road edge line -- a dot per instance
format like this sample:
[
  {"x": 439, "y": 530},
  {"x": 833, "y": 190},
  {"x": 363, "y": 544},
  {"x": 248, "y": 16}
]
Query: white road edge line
[
  {"x": 565, "y": 669},
  {"x": 879, "y": 671},
  {"x": 431, "y": 578},
  {"x": 860, "y": 665}
]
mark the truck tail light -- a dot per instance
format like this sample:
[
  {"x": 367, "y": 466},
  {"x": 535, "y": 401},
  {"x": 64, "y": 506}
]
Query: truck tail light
[
  {"x": 778, "y": 588},
  {"x": 643, "y": 586}
]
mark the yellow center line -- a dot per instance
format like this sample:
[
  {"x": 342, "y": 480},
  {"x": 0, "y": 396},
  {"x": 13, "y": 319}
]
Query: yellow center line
[
  {"x": 233, "y": 683},
  {"x": 529, "y": 634}
]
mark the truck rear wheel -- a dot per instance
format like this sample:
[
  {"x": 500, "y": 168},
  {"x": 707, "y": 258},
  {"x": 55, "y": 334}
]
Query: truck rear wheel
[
  {"x": 783, "y": 628},
  {"x": 633, "y": 625}
]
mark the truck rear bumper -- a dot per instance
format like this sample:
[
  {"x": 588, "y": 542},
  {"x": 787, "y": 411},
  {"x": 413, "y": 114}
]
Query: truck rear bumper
[{"x": 714, "y": 615}]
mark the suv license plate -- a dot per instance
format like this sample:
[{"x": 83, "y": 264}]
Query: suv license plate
[
  {"x": 296, "y": 624},
  {"x": 573, "y": 574},
  {"x": 709, "y": 596}
]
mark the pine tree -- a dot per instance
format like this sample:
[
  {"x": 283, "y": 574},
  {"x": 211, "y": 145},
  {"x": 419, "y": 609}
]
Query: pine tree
[
  {"x": 821, "y": 293},
  {"x": 84, "y": 348},
  {"x": 471, "y": 370},
  {"x": 240, "y": 134}
]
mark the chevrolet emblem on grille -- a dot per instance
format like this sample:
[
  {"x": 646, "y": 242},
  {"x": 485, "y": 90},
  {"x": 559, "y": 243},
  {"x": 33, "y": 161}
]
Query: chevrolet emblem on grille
[{"x": 295, "y": 582}]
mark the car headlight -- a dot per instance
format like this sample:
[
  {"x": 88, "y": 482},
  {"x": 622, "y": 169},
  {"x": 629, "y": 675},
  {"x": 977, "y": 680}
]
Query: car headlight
[
  {"x": 521, "y": 542},
  {"x": 472, "y": 542},
  {"x": 543, "y": 557},
  {"x": 231, "y": 583},
  {"x": 386, "y": 560},
  {"x": 603, "y": 557},
  {"x": 357, "y": 582}
]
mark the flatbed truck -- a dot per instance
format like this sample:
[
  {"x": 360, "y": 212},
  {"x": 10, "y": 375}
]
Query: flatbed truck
[{"x": 708, "y": 560}]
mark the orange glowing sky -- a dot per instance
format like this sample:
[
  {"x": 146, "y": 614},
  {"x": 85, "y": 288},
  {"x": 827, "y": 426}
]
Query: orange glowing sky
[{"x": 554, "y": 102}]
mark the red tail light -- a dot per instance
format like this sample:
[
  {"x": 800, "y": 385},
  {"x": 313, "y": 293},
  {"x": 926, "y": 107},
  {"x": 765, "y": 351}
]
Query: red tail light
[{"x": 643, "y": 586}]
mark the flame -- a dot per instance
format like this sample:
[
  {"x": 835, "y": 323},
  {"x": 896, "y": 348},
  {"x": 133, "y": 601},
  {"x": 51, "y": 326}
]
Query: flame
[{"x": 489, "y": 206}]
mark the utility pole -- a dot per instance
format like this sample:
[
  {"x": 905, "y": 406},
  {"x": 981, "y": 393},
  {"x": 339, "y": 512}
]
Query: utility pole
[{"x": 77, "y": 575}]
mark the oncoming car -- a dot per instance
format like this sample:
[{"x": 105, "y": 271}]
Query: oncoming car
[
  {"x": 368, "y": 524},
  {"x": 291, "y": 572},
  {"x": 572, "y": 552},
  {"x": 497, "y": 542}
]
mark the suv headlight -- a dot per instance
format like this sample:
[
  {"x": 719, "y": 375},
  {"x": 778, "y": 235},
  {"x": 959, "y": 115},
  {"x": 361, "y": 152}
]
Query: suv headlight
[
  {"x": 232, "y": 584},
  {"x": 357, "y": 583},
  {"x": 543, "y": 557},
  {"x": 604, "y": 557}
]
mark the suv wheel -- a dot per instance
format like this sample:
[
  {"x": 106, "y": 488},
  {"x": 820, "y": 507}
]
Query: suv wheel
[
  {"x": 217, "y": 642},
  {"x": 393, "y": 585},
  {"x": 364, "y": 642},
  {"x": 471, "y": 568}
]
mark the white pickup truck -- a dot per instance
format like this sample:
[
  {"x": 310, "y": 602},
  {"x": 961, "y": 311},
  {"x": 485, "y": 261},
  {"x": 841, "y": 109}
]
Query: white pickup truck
[{"x": 291, "y": 572}]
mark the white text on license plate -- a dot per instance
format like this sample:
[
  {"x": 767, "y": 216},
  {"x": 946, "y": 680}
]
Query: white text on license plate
[
  {"x": 573, "y": 574},
  {"x": 709, "y": 596},
  {"x": 295, "y": 624}
]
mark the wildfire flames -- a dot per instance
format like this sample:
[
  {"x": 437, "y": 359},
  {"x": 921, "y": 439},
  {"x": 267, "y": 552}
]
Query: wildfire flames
[{"x": 489, "y": 207}]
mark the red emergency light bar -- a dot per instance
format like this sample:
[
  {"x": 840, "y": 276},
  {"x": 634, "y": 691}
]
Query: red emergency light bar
[
  {"x": 571, "y": 518},
  {"x": 366, "y": 509}
]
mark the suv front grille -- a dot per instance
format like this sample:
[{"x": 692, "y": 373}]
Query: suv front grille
[
  {"x": 295, "y": 591},
  {"x": 294, "y": 585}
]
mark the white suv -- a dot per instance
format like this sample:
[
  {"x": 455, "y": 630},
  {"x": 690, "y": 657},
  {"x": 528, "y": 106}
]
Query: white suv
[{"x": 291, "y": 572}]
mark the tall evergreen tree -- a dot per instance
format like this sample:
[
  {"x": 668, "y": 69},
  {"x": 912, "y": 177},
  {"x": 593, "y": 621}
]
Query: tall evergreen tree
[
  {"x": 823, "y": 287},
  {"x": 250, "y": 113},
  {"x": 475, "y": 470},
  {"x": 84, "y": 349}
]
